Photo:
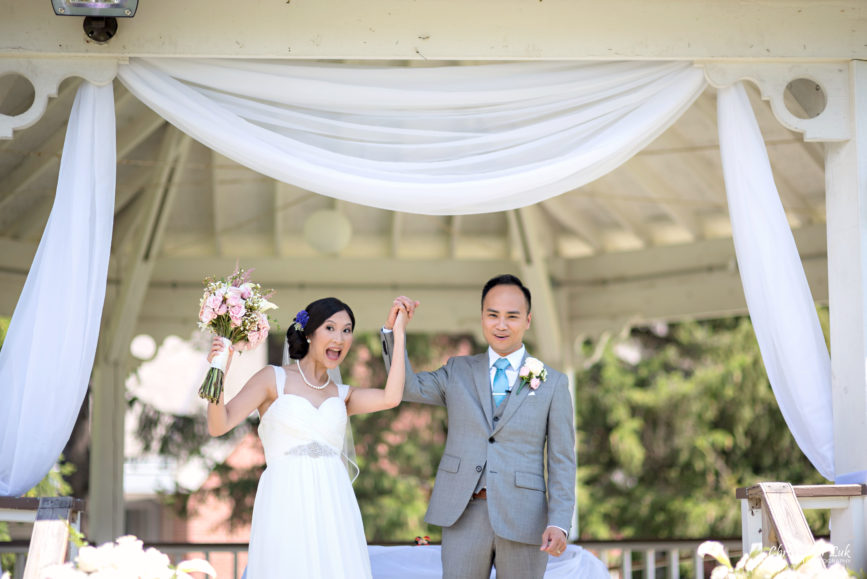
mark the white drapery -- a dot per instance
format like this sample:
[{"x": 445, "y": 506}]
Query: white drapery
[
  {"x": 778, "y": 297},
  {"x": 440, "y": 140},
  {"x": 437, "y": 140},
  {"x": 47, "y": 357}
]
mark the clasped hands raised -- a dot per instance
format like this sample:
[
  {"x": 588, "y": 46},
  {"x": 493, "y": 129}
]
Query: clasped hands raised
[{"x": 401, "y": 304}]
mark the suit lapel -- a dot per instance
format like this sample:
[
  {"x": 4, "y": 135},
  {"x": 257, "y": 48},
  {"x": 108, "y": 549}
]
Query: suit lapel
[
  {"x": 482, "y": 379},
  {"x": 513, "y": 401}
]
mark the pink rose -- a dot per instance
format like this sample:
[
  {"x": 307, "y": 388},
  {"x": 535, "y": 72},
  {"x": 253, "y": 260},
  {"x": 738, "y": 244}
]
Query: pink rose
[
  {"x": 222, "y": 309},
  {"x": 237, "y": 311},
  {"x": 207, "y": 315},
  {"x": 214, "y": 301},
  {"x": 264, "y": 326},
  {"x": 234, "y": 297},
  {"x": 534, "y": 383},
  {"x": 524, "y": 372}
]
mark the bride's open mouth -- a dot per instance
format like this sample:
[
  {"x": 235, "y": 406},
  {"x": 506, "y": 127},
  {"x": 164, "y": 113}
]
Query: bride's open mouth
[{"x": 332, "y": 354}]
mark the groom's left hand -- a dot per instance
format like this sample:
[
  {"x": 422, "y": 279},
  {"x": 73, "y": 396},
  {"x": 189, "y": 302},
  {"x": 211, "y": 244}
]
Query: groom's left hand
[{"x": 554, "y": 541}]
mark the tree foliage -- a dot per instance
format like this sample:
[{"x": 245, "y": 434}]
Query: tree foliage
[{"x": 671, "y": 420}]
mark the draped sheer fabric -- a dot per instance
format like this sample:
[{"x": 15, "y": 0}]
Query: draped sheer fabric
[
  {"x": 429, "y": 140},
  {"x": 778, "y": 297},
  {"x": 437, "y": 140},
  {"x": 47, "y": 356}
]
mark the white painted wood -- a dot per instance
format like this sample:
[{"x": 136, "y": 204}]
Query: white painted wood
[
  {"x": 697, "y": 566},
  {"x": 673, "y": 564},
  {"x": 533, "y": 270},
  {"x": 106, "y": 503},
  {"x": 17, "y": 516},
  {"x": 46, "y": 75},
  {"x": 848, "y": 534},
  {"x": 431, "y": 29},
  {"x": 846, "y": 199},
  {"x": 751, "y": 526}
]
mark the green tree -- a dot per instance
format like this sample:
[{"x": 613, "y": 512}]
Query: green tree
[{"x": 672, "y": 425}]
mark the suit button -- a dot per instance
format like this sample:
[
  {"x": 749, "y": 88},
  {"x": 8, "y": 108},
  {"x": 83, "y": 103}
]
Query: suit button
[
  {"x": 491, "y": 440},
  {"x": 478, "y": 469},
  {"x": 496, "y": 418}
]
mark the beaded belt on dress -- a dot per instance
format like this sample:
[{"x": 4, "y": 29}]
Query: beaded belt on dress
[{"x": 313, "y": 449}]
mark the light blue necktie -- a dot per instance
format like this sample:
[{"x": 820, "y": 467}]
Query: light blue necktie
[{"x": 501, "y": 383}]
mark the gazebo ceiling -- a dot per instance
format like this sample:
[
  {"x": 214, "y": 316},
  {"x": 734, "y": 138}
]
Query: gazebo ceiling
[{"x": 650, "y": 240}]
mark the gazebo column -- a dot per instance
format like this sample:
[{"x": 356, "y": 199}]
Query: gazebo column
[
  {"x": 846, "y": 200},
  {"x": 106, "y": 502},
  {"x": 526, "y": 234}
]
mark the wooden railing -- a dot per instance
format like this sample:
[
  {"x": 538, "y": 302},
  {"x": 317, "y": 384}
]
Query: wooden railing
[
  {"x": 52, "y": 519},
  {"x": 674, "y": 559}
]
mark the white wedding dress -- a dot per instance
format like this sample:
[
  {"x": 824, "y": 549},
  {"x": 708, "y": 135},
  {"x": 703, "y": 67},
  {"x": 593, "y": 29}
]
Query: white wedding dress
[{"x": 306, "y": 522}]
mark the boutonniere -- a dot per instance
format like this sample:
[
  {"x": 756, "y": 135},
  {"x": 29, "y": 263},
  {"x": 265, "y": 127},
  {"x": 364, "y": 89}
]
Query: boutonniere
[{"x": 533, "y": 372}]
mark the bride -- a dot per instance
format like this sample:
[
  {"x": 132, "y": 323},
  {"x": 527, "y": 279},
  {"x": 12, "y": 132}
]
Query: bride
[{"x": 306, "y": 521}]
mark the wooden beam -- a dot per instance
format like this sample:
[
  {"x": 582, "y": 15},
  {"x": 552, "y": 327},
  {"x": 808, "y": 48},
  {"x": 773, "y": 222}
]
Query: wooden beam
[
  {"x": 558, "y": 209},
  {"x": 454, "y": 235},
  {"x": 659, "y": 190},
  {"x": 107, "y": 456},
  {"x": 431, "y": 29},
  {"x": 144, "y": 125},
  {"x": 396, "y": 232},
  {"x": 527, "y": 235},
  {"x": 846, "y": 199}
]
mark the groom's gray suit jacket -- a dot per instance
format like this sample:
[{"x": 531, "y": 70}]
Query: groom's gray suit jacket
[{"x": 511, "y": 447}]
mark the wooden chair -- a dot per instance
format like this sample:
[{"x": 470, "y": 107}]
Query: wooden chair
[
  {"x": 772, "y": 514},
  {"x": 51, "y": 517}
]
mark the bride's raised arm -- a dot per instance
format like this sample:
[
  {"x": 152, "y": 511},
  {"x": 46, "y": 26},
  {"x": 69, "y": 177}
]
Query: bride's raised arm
[
  {"x": 258, "y": 393},
  {"x": 363, "y": 400}
]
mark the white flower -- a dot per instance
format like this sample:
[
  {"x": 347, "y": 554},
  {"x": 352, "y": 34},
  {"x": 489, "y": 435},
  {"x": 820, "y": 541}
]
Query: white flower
[
  {"x": 769, "y": 566},
  {"x": 772, "y": 564},
  {"x": 818, "y": 549},
  {"x": 90, "y": 559},
  {"x": 266, "y": 305},
  {"x": 535, "y": 366},
  {"x": 715, "y": 550},
  {"x": 126, "y": 558},
  {"x": 65, "y": 571}
]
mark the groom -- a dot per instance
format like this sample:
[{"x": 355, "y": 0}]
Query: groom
[{"x": 491, "y": 496}]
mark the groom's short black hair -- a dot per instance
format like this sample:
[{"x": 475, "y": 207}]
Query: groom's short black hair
[{"x": 506, "y": 279}]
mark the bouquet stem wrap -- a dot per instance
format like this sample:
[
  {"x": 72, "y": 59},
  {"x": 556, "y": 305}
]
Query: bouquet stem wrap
[{"x": 212, "y": 387}]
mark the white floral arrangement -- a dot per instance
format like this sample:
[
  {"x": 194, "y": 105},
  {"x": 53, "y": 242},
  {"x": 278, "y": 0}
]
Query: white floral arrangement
[
  {"x": 125, "y": 558},
  {"x": 768, "y": 564}
]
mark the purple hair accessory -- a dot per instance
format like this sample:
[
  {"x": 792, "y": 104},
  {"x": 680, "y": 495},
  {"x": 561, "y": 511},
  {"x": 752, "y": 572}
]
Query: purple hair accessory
[{"x": 301, "y": 319}]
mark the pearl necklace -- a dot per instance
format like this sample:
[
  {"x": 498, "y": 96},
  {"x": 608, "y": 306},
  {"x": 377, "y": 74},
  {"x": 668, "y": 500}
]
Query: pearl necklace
[{"x": 303, "y": 377}]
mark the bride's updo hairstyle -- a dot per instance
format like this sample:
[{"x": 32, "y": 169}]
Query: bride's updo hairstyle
[{"x": 308, "y": 320}]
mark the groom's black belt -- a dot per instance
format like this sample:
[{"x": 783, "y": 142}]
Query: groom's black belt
[{"x": 482, "y": 494}]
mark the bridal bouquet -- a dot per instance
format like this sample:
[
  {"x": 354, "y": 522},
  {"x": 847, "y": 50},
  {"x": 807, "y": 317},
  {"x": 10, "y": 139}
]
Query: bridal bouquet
[{"x": 234, "y": 309}]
